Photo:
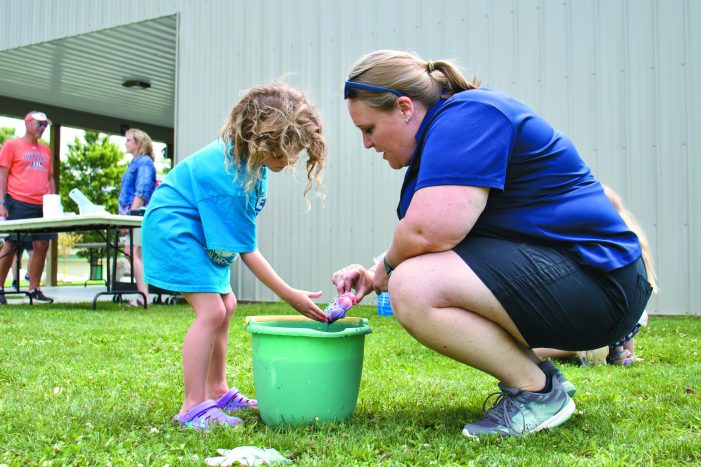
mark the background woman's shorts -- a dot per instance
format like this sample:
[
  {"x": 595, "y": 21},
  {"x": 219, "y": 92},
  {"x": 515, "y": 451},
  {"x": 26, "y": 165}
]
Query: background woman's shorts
[
  {"x": 136, "y": 236},
  {"x": 554, "y": 301},
  {"x": 21, "y": 210}
]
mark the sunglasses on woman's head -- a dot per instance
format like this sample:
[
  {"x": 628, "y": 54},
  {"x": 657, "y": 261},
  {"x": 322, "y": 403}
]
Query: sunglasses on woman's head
[{"x": 353, "y": 85}]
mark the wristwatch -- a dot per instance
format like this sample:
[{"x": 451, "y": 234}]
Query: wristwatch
[{"x": 388, "y": 268}]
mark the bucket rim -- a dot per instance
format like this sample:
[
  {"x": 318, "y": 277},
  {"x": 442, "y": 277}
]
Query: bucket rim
[{"x": 257, "y": 325}]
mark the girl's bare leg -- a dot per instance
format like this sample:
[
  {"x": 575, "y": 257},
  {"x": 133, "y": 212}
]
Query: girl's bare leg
[
  {"x": 210, "y": 316},
  {"x": 216, "y": 377}
]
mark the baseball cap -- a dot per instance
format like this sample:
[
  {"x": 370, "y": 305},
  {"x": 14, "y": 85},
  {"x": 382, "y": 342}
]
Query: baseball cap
[{"x": 38, "y": 116}]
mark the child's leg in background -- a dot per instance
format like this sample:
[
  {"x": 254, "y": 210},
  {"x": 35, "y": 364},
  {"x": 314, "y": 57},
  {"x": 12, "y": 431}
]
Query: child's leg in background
[
  {"x": 586, "y": 357},
  {"x": 630, "y": 347},
  {"x": 623, "y": 351},
  {"x": 210, "y": 316},
  {"x": 543, "y": 352},
  {"x": 216, "y": 377}
]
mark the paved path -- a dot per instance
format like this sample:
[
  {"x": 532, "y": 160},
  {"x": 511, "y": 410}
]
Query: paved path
[
  {"x": 80, "y": 294},
  {"x": 70, "y": 294}
]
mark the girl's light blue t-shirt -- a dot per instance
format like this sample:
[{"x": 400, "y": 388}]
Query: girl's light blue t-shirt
[{"x": 200, "y": 205}]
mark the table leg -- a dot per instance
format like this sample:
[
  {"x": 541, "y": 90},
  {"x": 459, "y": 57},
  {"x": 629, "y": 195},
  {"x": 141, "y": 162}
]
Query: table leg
[{"x": 18, "y": 256}]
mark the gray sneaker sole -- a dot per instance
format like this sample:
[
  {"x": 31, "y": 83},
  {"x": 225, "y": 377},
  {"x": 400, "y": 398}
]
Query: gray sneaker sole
[
  {"x": 559, "y": 418},
  {"x": 556, "y": 420}
]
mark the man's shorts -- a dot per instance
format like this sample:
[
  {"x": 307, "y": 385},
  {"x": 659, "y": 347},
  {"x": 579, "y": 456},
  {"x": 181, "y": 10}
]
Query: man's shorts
[
  {"x": 553, "y": 300},
  {"x": 21, "y": 210}
]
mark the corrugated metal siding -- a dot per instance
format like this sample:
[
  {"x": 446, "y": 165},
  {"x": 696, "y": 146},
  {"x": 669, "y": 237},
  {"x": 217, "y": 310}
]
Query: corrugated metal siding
[
  {"x": 692, "y": 145},
  {"x": 619, "y": 77},
  {"x": 671, "y": 157}
]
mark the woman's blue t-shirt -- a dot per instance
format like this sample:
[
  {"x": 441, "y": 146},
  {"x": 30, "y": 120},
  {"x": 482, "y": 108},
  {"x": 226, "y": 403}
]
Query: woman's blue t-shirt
[{"x": 540, "y": 188}]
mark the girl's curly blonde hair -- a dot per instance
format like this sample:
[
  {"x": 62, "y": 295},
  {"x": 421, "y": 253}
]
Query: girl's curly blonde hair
[{"x": 275, "y": 120}]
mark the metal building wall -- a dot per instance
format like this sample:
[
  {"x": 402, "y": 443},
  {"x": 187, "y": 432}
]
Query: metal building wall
[{"x": 616, "y": 76}]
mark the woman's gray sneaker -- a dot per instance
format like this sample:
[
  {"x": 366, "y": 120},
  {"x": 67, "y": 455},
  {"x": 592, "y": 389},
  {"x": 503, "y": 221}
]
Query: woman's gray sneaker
[
  {"x": 549, "y": 368},
  {"x": 518, "y": 412}
]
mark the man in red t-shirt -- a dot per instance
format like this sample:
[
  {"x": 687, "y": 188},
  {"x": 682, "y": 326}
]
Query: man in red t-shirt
[{"x": 26, "y": 175}]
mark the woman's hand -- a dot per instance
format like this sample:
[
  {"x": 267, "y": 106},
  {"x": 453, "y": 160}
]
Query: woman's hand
[
  {"x": 381, "y": 281},
  {"x": 301, "y": 300},
  {"x": 353, "y": 277}
]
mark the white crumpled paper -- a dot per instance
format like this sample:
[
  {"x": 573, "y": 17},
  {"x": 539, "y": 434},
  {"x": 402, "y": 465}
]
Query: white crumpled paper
[{"x": 247, "y": 455}]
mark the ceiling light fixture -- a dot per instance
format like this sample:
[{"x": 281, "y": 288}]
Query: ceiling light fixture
[{"x": 136, "y": 83}]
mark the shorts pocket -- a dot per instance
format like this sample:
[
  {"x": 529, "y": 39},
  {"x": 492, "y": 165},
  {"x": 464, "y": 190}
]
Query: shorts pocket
[
  {"x": 547, "y": 265},
  {"x": 636, "y": 305},
  {"x": 643, "y": 290}
]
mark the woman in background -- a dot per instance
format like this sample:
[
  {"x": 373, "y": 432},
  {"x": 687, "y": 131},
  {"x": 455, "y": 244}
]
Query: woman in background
[{"x": 138, "y": 183}]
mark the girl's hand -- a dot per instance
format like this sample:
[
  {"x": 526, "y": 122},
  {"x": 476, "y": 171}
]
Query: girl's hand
[
  {"x": 301, "y": 300},
  {"x": 353, "y": 277}
]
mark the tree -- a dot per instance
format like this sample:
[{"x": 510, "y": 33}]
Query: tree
[
  {"x": 95, "y": 168},
  {"x": 9, "y": 133},
  {"x": 66, "y": 242},
  {"x": 5, "y": 134}
]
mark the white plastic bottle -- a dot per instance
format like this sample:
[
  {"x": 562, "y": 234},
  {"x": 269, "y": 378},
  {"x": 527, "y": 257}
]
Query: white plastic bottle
[{"x": 79, "y": 198}]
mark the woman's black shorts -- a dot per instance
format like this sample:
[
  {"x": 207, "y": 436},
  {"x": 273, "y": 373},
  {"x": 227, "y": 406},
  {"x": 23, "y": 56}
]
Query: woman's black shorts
[
  {"x": 20, "y": 210},
  {"x": 554, "y": 301}
]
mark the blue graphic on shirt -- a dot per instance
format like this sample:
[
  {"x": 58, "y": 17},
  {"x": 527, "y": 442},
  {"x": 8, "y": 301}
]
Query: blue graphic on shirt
[{"x": 36, "y": 161}]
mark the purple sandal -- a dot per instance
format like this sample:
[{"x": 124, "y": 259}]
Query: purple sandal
[
  {"x": 233, "y": 401},
  {"x": 205, "y": 416}
]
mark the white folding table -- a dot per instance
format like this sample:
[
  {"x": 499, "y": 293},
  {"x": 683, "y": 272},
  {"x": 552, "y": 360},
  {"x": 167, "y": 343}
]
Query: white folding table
[{"x": 110, "y": 224}]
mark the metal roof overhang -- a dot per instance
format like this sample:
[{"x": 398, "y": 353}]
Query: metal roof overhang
[{"x": 78, "y": 80}]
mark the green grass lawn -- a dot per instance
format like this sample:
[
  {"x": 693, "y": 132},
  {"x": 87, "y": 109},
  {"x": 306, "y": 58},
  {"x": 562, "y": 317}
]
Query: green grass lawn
[{"x": 84, "y": 387}]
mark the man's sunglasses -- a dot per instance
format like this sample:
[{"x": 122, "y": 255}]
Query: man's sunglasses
[
  {"x": 41, "y": 124},
  {"x": 351, "y": 85}
]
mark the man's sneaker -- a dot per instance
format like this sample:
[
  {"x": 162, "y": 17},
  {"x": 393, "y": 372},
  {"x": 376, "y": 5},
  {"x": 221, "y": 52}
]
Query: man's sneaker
[
  {"x": 15, "y": 285},
  {"x": 550, "y": 369},
  {"x": 519, "y": 412},
  {"x": 3, "y": 300},
  {"x": 38, "y": 296}
]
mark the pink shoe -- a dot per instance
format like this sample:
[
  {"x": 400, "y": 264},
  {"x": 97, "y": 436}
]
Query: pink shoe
[
  {"x": 233, "y": 401},
  {"x": 205, "y": 416},
  {"x": 621, "y": 356}
]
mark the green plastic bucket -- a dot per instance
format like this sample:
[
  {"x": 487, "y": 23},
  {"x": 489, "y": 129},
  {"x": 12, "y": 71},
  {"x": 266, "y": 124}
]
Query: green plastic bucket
[{"x": 305, "y": 371}]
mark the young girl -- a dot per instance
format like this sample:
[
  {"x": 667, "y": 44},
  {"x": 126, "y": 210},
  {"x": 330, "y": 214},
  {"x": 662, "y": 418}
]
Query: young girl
[{"x": 203, "y": 215}]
